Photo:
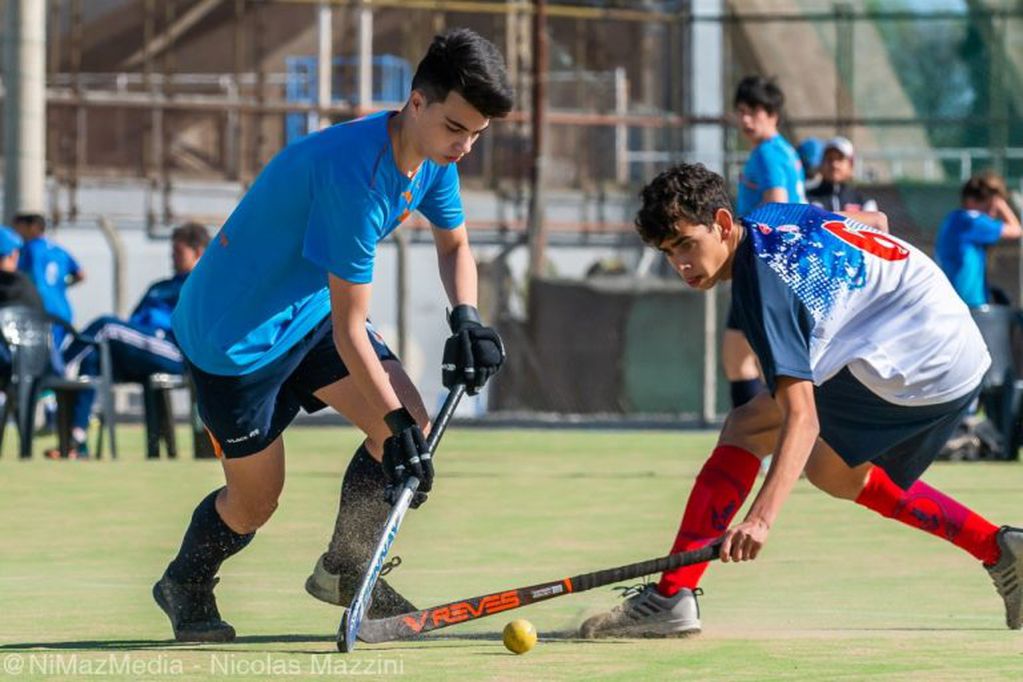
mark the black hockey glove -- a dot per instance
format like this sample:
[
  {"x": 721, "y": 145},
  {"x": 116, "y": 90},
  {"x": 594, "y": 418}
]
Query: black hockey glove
[
  {"x": 406, "y": 454},
  {"x": 473, "y": 353}
]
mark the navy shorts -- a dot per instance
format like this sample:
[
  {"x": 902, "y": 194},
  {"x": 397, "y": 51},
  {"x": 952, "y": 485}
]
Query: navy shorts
[
  {"x": 863, "y": 427},
  {"x": 244, "y": 414}
]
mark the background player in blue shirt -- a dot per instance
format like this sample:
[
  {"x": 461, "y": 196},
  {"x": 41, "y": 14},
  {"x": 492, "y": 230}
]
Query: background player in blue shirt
[
  {"x": 50, "y": 267},
  {"x": 275, "y": 318},
  {"x": 961, "y": 249},
  {"x": 143, "y": 344},
  {"x": 871, "y": 362},
  {"x": 773, "y": 173}
]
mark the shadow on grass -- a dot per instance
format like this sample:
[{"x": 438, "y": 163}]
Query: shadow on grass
[
  {"x": 131, "y": 644},
  {"x": 447, "y": 640}
]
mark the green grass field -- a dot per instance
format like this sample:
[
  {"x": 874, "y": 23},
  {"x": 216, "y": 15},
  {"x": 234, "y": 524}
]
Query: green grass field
[{"x": 839, "y": 593}]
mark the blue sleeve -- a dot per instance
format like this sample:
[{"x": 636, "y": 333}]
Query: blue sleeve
[
  {"x": 778, "y": 326},
  {"x": 773, "y": 164},
  {"x": 345, "y": 224},
  {"x": 442, "y": 204},
  {"x": 983, "y": 229}
]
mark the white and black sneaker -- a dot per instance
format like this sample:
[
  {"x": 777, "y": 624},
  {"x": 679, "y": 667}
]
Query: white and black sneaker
[
  {"x": 647, "y": 613},
  {"x": 339, "y": 589},
  {"x": 1007, "y": 574}
]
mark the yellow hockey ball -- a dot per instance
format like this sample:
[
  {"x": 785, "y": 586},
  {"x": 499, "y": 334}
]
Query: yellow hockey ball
[{"x": 519, "y": 636}]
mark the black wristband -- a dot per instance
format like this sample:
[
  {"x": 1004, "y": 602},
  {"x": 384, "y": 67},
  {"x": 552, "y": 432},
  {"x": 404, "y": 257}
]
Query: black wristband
[
  {"x": 463, "y": 316},
  {"x": 399, "y": 420}
]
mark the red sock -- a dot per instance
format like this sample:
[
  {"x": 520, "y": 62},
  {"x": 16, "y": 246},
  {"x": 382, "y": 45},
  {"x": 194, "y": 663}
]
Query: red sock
[
  {"x": 720, "y": 489},
  {"x": 923, "y": 507}
]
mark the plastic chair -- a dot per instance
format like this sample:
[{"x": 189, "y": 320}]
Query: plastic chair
[
  {"x": 28, "y": 334},
  {"x": 159, "y": 417}
]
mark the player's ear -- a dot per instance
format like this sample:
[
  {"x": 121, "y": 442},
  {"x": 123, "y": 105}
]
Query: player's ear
[
  {"x": 416, "y": 102},
  {"x": 723, "y": 219}
]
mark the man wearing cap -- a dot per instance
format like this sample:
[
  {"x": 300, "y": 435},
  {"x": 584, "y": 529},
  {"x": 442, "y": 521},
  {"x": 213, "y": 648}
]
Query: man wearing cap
[
  {"x": 15, "y": 288},
  {"x": 836, "y": 191}
]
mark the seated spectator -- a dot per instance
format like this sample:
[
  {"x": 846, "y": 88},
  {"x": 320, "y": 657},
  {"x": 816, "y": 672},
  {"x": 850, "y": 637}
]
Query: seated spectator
[
  {"x": 835, "y": 192},
  {"x": 50, "y": 267},
  {"x": 143, "y": 344},
  {"x": 811, "y": 153},
  {"x": 15, "y": 289},
  {"x": 983, "y": 218}
]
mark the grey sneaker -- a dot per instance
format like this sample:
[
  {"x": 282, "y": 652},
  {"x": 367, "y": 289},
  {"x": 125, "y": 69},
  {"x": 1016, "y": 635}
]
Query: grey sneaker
[
  {"x": 647, "y": 613},
  {"x": 339, "y": 588},
  {"x": 1007, "y": 574}
]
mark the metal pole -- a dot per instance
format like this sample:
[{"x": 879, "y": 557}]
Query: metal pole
[
  {"x": 844, "y": 56},
  {"x": 621, "y": 87},
  {"x": 401, "y": 242},
  {"x": 325, "y": 63},
  {"x": 537, "y": 235},
  {"x": 25, "y": 107},
  {"x": 365, "y": 59},
  {"x": 113, "y": 238},
  {"x": 710, "y": 357}
]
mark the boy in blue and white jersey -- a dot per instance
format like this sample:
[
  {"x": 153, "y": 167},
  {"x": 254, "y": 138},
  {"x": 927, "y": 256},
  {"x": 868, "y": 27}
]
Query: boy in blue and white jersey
[
  {"x": 870, "y": 359},
  {"x": 275, "y": 317}
]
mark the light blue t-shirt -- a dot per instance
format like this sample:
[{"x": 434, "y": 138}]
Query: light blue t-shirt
[
  {"x": 773, "y": 163},
  {"x": 961, "y": 251},
  {"x": 49, "y": 266},
  {"x": 320, "y": 206}
]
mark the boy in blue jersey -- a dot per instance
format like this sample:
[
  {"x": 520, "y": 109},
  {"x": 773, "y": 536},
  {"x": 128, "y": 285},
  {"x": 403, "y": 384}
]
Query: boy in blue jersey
[
  {"x": 984, "y": 219},
  {"x": 275, "y": 318},
  {"x": 50, "y": 267},
  {"x": 140, "y": 346},
  {"x": 773, "y": 173},
  {"x": 870, "y": 360}
]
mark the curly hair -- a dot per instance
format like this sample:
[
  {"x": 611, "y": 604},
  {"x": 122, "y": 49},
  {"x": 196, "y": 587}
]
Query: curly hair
[{"x": 687, "y": 192}]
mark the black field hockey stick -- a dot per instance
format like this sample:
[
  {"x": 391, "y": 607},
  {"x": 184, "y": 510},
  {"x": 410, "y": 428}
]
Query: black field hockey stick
[
  {"x": 348, "y": 630},
  {"x": 464, "y": 610}
]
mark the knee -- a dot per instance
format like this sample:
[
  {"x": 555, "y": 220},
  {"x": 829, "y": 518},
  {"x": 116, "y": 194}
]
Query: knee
[
  {"x": 247, "y": 515},
  {"x": 841, "y": 485},
  {"x": 753, "y": 426}
]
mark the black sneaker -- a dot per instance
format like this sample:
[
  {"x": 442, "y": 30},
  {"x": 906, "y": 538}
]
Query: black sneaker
[
  {"x": 192, "y": 610},
  {"x": 339, "y": 589}
]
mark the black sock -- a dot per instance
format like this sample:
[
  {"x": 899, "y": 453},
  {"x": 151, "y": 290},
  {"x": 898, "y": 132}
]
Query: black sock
[
  {"x": 360, "y": 515},
  {"x": 744, "y": 391},
  {"x": 207, "y": 542}
]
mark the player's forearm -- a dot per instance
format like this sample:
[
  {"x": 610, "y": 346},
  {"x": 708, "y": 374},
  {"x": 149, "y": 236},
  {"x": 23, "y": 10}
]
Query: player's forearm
[
  {"x": 795, "y": 442},
  {"x": 458, "y": 274},
  {"x": 364, "y": 367}
]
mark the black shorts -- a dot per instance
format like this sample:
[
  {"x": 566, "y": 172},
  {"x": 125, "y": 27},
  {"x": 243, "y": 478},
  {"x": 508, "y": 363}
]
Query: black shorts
[
  {"x": 863, "y": 427},
  {"x": 245, "y": 413}
]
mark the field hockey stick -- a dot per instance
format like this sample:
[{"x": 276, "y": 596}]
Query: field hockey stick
[
  {"x": 348, "y": 630},
  {"x": 464, "y": 610}
]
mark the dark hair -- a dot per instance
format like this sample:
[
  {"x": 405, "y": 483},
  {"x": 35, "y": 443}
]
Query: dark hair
[
  {"x": 759, "y": 91},
  {"x": 29, "y": 218},
  {"x": 192, "y": 235},
  {"x": 466, "y": 62},
  {"x": 687, "y": 192},
  {"x": 983, "y": 186}
]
